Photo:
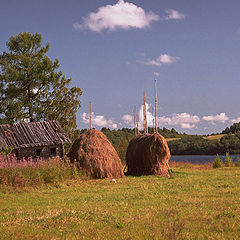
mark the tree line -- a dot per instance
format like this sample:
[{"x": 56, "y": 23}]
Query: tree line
[
  {"x": 182, "y": 145},
  {"x": 197, "y": 145}
]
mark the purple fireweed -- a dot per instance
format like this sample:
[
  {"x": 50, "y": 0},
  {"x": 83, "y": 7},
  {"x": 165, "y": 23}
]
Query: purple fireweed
[
  {"x": 11, "y": 161},
  {"x": 32, "y": 172}
]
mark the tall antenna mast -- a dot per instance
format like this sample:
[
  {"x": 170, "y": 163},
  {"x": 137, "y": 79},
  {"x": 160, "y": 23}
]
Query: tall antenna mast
[
  {"x": 135, "y": 120},
  {"x": 137, "y": 124},
  {"x": 153, "y": 118},
  {"x": 143, "y": 122},
  {"x": 155, "y": 86},
  {"x": 90, "y": 115},
  {"x": 145, "y": 115}
]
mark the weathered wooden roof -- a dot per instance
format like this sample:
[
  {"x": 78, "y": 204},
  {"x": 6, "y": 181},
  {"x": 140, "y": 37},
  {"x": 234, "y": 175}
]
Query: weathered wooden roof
[{"x": 32, "y": 134}]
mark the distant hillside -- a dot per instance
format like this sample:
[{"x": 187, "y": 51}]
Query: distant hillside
[
  {"x": 235, "y": 128},
  {"x": 180, "y": 144}
]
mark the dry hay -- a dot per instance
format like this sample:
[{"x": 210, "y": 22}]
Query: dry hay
[
  {"x": 148, "y": 155},
  {"x": 96, "y": 155}
]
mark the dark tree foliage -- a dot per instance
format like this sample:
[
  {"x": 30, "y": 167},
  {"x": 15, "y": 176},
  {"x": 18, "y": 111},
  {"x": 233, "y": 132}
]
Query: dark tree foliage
[
  {"x": 231, "y": 143},
  {"x": 184, "y": 145},
  {"x": 120, "y": 139},
  {"x": 31, "y": 87},
  {"x": 196, "y": 145},
  {"x": 233, "y": 129}
]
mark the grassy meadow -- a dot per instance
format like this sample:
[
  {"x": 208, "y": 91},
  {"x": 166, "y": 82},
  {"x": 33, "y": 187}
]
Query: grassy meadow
[
  {"x": 197, "y": 202},
  {"x": 215, "y": 137},
  {"x": 172, "y": 139}
]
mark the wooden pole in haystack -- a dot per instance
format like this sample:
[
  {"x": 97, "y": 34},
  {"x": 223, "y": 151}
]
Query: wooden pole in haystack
[
  {"x": 144, "y": 114},
  {"x": 146, "y": 122},
  {"x": 90, "y": 115},
  {"x": 143, "y": 118},
  {"x": 135, "y": 120},
  {"x": 153, "y": 118},
  {"x": 155, "y": 86}
]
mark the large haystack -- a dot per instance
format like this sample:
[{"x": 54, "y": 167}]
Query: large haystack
[
  {"x": 96, "y": 155},
  {"x": 148, "y": 155}
]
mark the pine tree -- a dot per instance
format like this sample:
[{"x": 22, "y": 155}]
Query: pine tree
[
  {"x": 31, "y": 87},
  {"x": 217, "y": 163},
  {"x": 228, "y": 160}
]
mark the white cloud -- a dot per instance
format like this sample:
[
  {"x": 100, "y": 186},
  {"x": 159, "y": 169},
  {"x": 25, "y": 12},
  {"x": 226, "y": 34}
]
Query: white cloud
[
  {"x": 122, "y": 15},
  {"x": 222, "y": 117},
  {"x": 149, "y": 116},
  {"x": 127, "y": 118},
  {"x": 237, "y": 120},
  {"x": 157, "y": 74},
  {"x": 150, "y": 62},
  {"x": 98, "y": 120},
  {"x": 185, "y": 120},
  {"x": 188, "y": 126},
  {"x": 173, "y": 14},
  {"x": 162, "y": 59}
]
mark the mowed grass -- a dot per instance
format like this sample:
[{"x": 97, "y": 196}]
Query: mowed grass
[
  {"x": 172, "y": 139},
  {"x": 196, "y": 203},
  {"x": 212, "y": 137},
  {"x": 215, "y": 137}
]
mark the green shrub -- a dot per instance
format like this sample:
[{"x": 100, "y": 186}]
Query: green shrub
[
  {"x": 5, "y": 150},
  {"x": 217, "y": 163},
  {"x": 237, "y": 164},
  {"x": 228, "y": 160}
]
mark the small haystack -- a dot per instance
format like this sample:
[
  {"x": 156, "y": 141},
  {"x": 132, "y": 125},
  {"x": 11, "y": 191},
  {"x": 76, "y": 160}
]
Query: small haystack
[
  {"x": 96, "y": 155},
  {"x": 148, "y": 155}
]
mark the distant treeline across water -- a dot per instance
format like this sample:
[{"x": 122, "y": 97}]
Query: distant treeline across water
[
  {"x": 182, "y": 144},
  {"x": 201, "y": 159}
]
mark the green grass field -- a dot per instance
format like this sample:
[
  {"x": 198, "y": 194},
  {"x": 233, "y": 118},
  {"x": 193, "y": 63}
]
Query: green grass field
[
  {"x": 212, "y": 137},
  {"x": 172, "y": 139},
  {"x": 215, "y": 137},
  {"x": 196, "y": 203}
]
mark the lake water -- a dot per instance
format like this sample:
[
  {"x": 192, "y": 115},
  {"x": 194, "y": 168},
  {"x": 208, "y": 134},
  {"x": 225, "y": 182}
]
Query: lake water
[{"x": 201, "y": 159}]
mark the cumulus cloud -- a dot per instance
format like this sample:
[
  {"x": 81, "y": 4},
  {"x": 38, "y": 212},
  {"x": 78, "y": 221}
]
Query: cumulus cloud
[
  {"x": 162, "y": 59},
  {"x": 184, "y": 120},
  {"x": 188, "y": 126},
  {"x": 127, "y": 118},
  {"x": 148, "y": 113},
  {"x": 237, "y": 120},
  {"x": 157, "y": 74},
  {"x": 122, "y": 15},
  {"x": 222, "y": 117},
  {"x": 173, "y": 14},
  {"x": 98, "y": 120}
]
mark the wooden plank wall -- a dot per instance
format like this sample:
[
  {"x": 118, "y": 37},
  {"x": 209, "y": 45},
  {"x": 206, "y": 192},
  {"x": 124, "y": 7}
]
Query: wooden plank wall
[{"x": 46, "y": 151}]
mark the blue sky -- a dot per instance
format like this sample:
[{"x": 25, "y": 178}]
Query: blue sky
[{"x": 114, "y": 49}]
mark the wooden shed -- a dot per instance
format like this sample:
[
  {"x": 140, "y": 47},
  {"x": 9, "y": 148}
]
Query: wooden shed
[{"x": 34, "y": 139}]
